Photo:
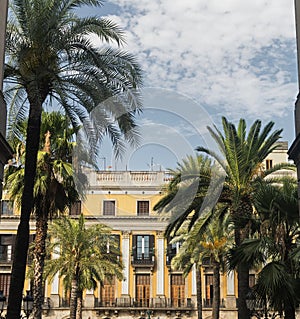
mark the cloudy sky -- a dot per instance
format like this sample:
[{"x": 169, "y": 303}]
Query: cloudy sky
[{"x": 231, "y": 57}]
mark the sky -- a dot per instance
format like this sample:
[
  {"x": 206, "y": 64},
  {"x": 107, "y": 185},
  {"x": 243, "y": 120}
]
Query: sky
[{"x": 210, "y": 59}]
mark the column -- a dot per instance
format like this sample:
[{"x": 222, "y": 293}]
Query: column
[
  {"x": 54, "y": 295},
  {"x": 160, "y": 291},
  {"x": 89, "y": 301},
  {"x": 230, "y": 296},
  {"x": 126, "y": 262},
  {"x": 194, "y": 281},
  {"x": 55, "y": 291}
]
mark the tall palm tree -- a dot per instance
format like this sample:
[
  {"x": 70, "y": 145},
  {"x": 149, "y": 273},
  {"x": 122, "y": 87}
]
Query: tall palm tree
[
  {"x": 275, "y": 247},
  {"x": 83, "y": 258},
  {"x": 185, "y": 260},
  {"x": 50, "y": 57},
  {"x": 209, "y": 238},
  {"x": 54, "y": 191},
  {"x": 185, "y": 206},
  {"x": 243, "y": 156}
]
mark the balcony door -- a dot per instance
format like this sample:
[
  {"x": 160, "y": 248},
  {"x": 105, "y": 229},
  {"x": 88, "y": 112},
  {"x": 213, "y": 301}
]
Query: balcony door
[
  {"x": 177, "y": 290},
  {"x": 108, "y": 293},
  {"x": 142, "y": 290},
  {"x": 5, "y": 283}
]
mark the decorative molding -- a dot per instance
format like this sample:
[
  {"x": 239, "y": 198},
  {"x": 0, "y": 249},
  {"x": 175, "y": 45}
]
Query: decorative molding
[{"x": 126, "y": 234}]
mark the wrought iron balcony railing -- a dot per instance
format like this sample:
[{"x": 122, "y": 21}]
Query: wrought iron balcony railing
[
  {"x": 143, "y": 259},
  {"x": 153, "y": 303}
]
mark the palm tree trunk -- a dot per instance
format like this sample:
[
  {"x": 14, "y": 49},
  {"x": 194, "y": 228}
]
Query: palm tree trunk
[
  {"x": 39, "y": 261},
  {"x": 22, "y": 238},
  {"x": 289, "y": 307},
  {"x": 79, "y": 305},
  {"x": 216, "y": 290},
  {"x": 73, "y": 298},
  {"x": 242, "y": 276},
  {"x": 243, "y": 288},
  {"x": 199, "y": 291},
  {"x": 289, "y": 312}
]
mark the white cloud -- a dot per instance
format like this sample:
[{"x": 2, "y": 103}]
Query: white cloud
[{"x": 236, "y": 57}]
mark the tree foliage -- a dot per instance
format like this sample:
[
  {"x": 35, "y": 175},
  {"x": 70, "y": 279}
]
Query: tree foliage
[{"x": 82, "y": 256}]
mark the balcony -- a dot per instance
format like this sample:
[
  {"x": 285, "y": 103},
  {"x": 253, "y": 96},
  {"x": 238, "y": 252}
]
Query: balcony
[
  {"x": 131, "y": 179},
  {"x": 152, "y": 303},
  {"x": 138, "y": 308},
  {"x": 143, "y": 260},
  {"x": 5, "y": 254},
  {"x": 208, "y": 303}
]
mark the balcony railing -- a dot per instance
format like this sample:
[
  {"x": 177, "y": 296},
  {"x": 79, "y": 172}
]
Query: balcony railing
[
  {"x": 155, "y": 303},
  {"x": 207, "y": 303},
  {"x": 142, "y": 259},
  {"x": 5, "y": 259},
  {"x": 128, "y": 178},
  {"x": 5, "y": 255}
]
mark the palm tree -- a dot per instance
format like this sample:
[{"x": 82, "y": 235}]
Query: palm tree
[
  {"x": 83, "y": 258},
  {"x": 50, "y": 57},
  {"x": 275, "y": 247},
  {"x": 185, "y": 260},
  {"x": 243, "y": 156},
  {"x": 209, "y": 238},
  {"x": 184, "y": 195},
  {"x": 186, "y": 208},
  {"x": 54, "y": 189}
]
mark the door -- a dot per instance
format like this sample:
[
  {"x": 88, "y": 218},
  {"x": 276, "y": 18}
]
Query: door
[
  {"x": 142, "y": 290},
  {"x": 108, "y": 293},
  {"x": 177, "y": 291}
]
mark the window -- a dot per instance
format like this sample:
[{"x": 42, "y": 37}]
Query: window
[
  {"x": 109, "y": 208},
  {"x": 5, "y": 283},
  {"x": 172, "y": 251},
  {"x": 177, "y": 290},
  {"x": 113, "y": 244},
  {"x": 143, "y": 249},
  {"x": 6, "y": 247},
  {"x": 75, "y": 208},
  {"x": 269, "y": 164},
  {"x": 143, "y": 208},
  {"x": 7, "y": 207},
  {"x": 142, "y": 290}
]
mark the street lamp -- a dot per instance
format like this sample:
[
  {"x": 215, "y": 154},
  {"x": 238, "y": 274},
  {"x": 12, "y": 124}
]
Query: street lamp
[
  {"x": 2, "y": 303},
  {"x": 148, "y": 313},
  {"x": 28, "y": 303}
]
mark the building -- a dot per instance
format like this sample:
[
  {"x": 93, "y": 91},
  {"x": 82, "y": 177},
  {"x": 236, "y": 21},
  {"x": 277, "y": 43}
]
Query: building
[
  {"x": 5, "y": 150},
  {"x": 294, "y": 151},
  {"x": 124, "y": 200}
]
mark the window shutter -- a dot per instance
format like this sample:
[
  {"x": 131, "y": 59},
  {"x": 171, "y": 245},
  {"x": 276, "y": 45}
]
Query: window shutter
[{"x": 134, "y": 245}]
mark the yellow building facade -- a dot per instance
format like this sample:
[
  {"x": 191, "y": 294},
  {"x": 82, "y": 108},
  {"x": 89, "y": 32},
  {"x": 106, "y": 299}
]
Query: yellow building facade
[{"x": 124, "y": 201}]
